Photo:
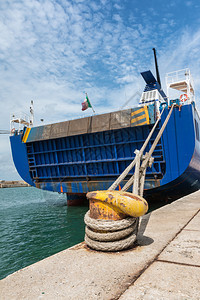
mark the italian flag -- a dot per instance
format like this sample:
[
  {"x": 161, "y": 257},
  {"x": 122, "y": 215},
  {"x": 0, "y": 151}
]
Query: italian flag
[{"x": 86, "y": 104}]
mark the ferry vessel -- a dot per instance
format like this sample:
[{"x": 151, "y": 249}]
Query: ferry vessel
[{"x": 87, "y": 154}]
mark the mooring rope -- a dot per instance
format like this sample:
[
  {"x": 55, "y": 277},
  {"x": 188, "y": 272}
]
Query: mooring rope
[
  {"x": 108, "y": 224},
  {"x": 109, "y": 235}
]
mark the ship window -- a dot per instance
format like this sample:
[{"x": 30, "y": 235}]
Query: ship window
[{"x": 197, "y": 130}]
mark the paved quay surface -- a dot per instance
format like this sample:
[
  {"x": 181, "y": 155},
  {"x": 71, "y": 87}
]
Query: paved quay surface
[{"x": 165, "y": 264}]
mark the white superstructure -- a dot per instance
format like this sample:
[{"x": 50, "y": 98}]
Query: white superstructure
[{"x": 182, "y": 81}]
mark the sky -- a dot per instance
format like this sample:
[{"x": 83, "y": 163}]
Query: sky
[{"x": 52, "y": 51}]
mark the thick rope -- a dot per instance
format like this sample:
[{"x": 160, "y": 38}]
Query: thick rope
[
  {"x": 107, "y": 225},
  {"x": 111, "y": 246},
  {"x": 109, "y": 236},
  {"x": 106, "y": 235}
]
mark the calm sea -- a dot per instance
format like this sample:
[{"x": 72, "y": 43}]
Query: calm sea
[{"x": 35, "y": 224}]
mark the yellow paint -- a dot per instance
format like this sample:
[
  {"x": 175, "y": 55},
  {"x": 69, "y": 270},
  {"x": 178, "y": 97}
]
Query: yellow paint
[
  {"x": 146, "y": 114},
  {"x": 137, "y": 111},
  {"x": 25, "y": 137},
  {"x": 129, "y": 204},
  {"x": 136, "y": 119},
  {"x": 104, "y": 211},
  {"x": 143, "y": 123}
]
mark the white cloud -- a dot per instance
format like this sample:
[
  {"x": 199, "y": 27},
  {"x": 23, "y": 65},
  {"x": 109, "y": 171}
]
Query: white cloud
[
  {"x": 188, "y": 3},
  {"x": 53, "y": 51}
]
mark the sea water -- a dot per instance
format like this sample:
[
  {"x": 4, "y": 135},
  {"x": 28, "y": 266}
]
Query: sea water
[{"x": 35, "y": 224}]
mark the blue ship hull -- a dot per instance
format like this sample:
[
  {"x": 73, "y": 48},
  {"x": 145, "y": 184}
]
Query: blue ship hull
[{"x": 90, "y": 161}]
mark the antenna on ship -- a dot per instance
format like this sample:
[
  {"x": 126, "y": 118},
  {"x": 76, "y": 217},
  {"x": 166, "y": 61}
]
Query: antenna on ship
[
  {"x": 31, "y": 113},
  {"x": 156, "y": 65}
]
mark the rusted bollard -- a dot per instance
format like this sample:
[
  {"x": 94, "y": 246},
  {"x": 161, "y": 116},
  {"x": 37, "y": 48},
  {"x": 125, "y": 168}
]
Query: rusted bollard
[{"x": 112, "y": 221}]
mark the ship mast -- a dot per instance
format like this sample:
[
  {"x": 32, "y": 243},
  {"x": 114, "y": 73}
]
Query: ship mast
[
  {"x": 156, "y": 65},
  {"x": 31, "y": 114}
]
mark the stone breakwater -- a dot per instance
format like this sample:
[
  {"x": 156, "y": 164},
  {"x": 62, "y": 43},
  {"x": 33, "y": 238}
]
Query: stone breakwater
[{"x": 13, "y": 183}]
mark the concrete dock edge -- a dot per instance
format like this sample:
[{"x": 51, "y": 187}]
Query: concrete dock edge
[{"x": 167, "y": 252}]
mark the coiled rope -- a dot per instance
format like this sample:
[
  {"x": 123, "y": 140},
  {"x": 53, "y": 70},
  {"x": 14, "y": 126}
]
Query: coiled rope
[{"x": 107, "y": 235}]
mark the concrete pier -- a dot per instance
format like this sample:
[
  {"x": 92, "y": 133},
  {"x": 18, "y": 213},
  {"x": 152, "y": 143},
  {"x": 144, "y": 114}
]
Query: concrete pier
[{"x": 165, "y": 264}]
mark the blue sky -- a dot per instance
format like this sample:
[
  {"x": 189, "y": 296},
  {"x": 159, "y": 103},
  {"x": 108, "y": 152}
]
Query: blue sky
[{"x": 52, "y": 51}]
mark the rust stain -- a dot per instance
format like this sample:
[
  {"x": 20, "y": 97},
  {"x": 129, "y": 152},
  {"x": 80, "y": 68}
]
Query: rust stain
[
  {"x": 69, "y": 187},
  {"x": 78, "y": 246},
  {"x": 132, "y": 196},
  {"x": 37, "y": 184},
  {"x": 101, "y": 210},
  {"x": 89, "y": 249},
  {"x": 91, "y": 195}
]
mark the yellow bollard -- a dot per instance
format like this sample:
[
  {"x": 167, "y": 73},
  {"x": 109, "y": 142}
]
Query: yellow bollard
[
  {"x": 122, "y": 203},
  {"x": 103, "y": 211},
  {"x": 112, "y": 221}
]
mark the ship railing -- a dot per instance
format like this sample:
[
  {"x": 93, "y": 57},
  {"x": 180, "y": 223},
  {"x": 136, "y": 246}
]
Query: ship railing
[
  {"x": 18, "y": 121},
  {"x": 149, "y": 97},
  {"x": 177, "y": 76},
  {"x": 181, "y": 81}
]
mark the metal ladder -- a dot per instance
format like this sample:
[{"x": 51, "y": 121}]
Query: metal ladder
[
  {"x": 141, "y": 162},
  {"x": 31, "y": 160}
]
